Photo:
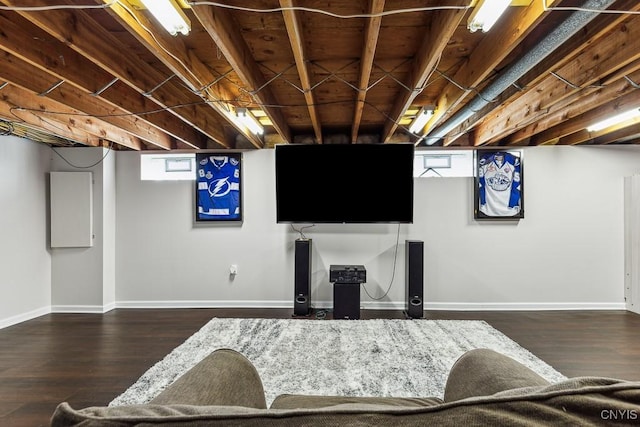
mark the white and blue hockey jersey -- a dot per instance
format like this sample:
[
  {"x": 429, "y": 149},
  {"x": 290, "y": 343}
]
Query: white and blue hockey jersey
[
  {"x": 218, "y": 183},
  {"x": 499, "y": 184}
]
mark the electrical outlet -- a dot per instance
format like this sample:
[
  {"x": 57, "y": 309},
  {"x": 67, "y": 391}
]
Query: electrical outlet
[{"x": 233, "y": 270}]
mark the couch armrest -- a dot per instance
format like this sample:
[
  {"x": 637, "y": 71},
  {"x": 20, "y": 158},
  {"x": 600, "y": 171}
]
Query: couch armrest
[
  {"x": 483, "y": 372},
  {"x": 224, "y": 378}
]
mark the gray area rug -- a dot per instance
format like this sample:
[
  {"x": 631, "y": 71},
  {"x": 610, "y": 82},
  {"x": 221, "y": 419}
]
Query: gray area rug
[{"x": 380, "y": 357}]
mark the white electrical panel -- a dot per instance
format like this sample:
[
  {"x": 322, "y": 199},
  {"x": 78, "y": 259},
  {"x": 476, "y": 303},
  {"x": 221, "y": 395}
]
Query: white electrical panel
[{"x": 71, "y": 209}]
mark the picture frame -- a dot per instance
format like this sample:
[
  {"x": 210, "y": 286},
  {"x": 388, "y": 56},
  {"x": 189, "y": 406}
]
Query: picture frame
[
  {"x": 498, "y": 185},
  {"x": 218, "y": 188}
]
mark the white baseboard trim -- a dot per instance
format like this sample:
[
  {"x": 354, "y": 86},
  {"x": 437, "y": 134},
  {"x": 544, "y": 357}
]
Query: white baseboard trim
[
  {"x": 108, "y": 307},
  {"x": 204, "y": 304},
  {"x": 517, "y": 306},
  {"x": 14, "y": 320},
  {"x": 89, "y": 309},
  {"x": 371, "y": 305},
  {"x": 377, "y": 305}
]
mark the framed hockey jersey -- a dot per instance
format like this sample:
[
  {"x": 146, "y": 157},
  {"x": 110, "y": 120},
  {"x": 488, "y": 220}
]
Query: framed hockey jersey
[
  {"x": 498, "y": 185},
  {"x": 218, "y": 187}
]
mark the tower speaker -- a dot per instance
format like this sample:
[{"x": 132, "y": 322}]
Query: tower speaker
[
  {"x": 414, "y": 278},
  {"x": 302, "y": 278}
]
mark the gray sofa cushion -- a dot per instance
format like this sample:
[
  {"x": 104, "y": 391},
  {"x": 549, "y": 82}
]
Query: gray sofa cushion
[{"x": 579, "y": 401}]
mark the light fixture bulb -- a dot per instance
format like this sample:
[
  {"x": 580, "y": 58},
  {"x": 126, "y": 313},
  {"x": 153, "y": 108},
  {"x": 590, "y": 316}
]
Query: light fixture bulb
[
  {"x": 421, "y": 119},
  {"x": 169, "y": 15},
  {"x": 486, "y": 13},
  {"x": 247, "y": 119},
  {"x": 614, "y": 120}
]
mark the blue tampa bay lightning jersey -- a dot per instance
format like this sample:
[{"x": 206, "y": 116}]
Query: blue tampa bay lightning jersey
[
  {"x": 218, "y": 181},
  {"x": 499, "y": 184}
]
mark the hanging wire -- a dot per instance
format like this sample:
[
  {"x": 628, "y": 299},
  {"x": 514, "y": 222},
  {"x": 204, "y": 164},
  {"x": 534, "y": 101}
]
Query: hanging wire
[
  {"x": 306, "y": 9},
  {"x": 324, "y": 12},
  {"x": 67, "y": 161},
  {"x": 393, "y": 271},
  {"x": 300, "y": 230},
  {"x": 57, "y": 7}
]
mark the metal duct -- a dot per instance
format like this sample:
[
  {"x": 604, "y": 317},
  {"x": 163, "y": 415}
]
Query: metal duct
[{"x": 552, "y": 41}]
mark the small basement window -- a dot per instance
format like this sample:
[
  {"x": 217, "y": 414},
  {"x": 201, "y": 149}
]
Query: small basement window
[
  {"x": 443, "y": 163},
  {"x": 167, "y": 167}
]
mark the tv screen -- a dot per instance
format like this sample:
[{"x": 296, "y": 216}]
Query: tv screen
[{"x": 344, "y": 183}]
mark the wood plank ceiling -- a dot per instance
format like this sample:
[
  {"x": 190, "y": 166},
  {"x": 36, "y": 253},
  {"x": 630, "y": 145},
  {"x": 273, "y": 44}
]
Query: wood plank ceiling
[{"x": 105, "y": 73}]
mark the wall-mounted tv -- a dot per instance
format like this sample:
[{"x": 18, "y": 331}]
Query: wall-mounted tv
[{"x": 344, "y": 183}]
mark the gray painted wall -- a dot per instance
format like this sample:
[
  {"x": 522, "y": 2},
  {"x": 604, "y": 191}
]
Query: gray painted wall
[
  {"x": 566, "y": 253},
  {"x": 25, "y": 261},
  {"x": 83, "y": 279}
]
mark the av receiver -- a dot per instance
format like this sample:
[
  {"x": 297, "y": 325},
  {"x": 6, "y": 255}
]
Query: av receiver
[{"x": 347, "y": 274}]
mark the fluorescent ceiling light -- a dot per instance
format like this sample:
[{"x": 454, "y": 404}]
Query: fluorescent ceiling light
[
  {"x": 246, "y": 118},
  {"x": 617, "y": 119},
  {"x": 170, "y": 15},
  {"x": 486, "y": 13},
  {"x": 421, "y": 119}
]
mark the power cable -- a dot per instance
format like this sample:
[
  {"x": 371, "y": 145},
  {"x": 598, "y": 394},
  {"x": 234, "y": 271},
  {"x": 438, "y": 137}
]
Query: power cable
[{"x": 393, "y": 273}]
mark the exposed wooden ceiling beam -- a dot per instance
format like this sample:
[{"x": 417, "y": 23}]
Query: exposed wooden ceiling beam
[
  {"x": 494, "y": 47},
  {"x": 614, "y": 51},
  {"x": 76, "y": 30},
  {"x": 581, "y": 102},
  {"x": 621, "y": 133},
  {"x": 581, "y": 121},
  {"x": 51, "y": 56},
  {"x": 444, "y": 24},
  {"x": 172, "y": 52},
  {"x": 18, "y": 104},
  {"x": 32, "y": 120},
  {"x": 23, "y": 74},
  {"x": 296, "y": 39},
  {"x": 557, "y": 59},
  {"x": 219, "y": 23},
  {"x": 122, "y": 50},
  {"x": 624, "y": 134},
  {"x": 371, "y": 34}
]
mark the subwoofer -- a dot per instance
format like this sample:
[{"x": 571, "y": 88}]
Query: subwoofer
[
  {"x": 414, "y": 278},
  {"x": 346, "y": 300},
  {"x": 302, "y": 278}
]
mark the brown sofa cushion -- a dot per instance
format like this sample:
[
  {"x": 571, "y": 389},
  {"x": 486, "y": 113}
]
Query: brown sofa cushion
[
  {"x": 579, "y": 401},
  {"x": 295, "y": 401},
  {"x": 224, "y": 377},
  {"x": 483, "y": 372}
]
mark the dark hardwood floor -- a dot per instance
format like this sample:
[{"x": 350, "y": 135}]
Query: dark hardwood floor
[{"x": 88, "y": 359}]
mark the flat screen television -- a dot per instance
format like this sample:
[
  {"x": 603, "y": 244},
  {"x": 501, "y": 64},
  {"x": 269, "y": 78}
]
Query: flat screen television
[{"x": 344, "y": 183}]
